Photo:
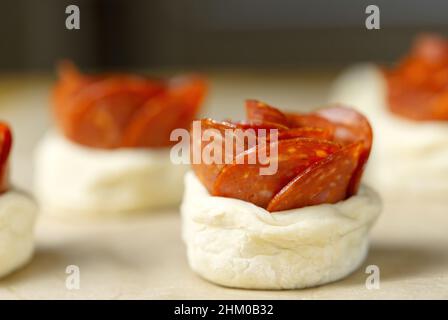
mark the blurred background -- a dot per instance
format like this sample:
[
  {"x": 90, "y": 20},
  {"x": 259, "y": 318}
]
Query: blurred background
[{"x": 210, "y": 33}]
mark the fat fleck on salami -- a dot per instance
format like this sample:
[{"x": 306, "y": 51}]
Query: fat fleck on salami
[{"x": 321, "y": 158}]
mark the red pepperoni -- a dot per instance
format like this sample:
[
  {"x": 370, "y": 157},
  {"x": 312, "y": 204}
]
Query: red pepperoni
[
  {"x": 244, "y": 136},
  {"x": 262, "y": 112},
  {"x": 242, "y": 139},
  {"x": 418, "y": 85},
  {"x": 431, "y": 47},
  {"x": 69, "y": 84},
  {"x": 113, "y": 111},
  {"x": 244, "y": 182},
  {"x": 310, "y": 120},
  {"x": 306, "y": 132},
  {"x": 255, "y": 124},
  {"x": 153, "y": 123},
  {"x": 351, "y": 127},
  {"x": 5, "y": 149},
  {"x": 208, "y": 172},
  {"x": 325, "y": 181}
]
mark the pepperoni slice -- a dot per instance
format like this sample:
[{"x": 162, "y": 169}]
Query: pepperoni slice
[
  {"x": 241, "y": 139},
  {"x": 119, "y": 110},
  {"x": 189, "y": 92},
  {"x": 255, "y": 124},
  {"x": 306, "y": 132},
  {"x": 153, "y": 123},
  {"x": 309, "y": 120},
  {"x": 243, "y": 181},
  {"x": 5, "y": 149},
  {"x": 243, "y": 136},
  {"x": 435, "y": 106},
  {"x": 207, "y": 171},
  {"x": 417, "y": 87},
  {"x": 70, "y": 83},
  {"x": 346, "y": 126},
  {"x": 351, "y": 127},
  {"x": 325, "y": 181},
  {"x": 431, "y": 48},
  {"x": 262, "y": 112},
  {"x": 101, "y": 111}
]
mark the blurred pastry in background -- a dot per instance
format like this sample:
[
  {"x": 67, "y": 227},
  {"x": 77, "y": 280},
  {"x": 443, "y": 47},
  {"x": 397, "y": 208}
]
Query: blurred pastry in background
[
  {"x": 408, "y": 107},
  {"x": 302, "y": 225},
  {"x": 17, "y": 214},
  {"x": 110, "y": 150}
]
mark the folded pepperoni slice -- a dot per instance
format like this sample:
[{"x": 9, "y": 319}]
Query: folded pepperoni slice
[
  {"x": 120, "y": 110},
  {"x": 206, "y": 170},
  {"x": 5, "y": 149},
  {"x": 351, "y": 127},
  {"x": 70, "y": 83},
  {"x": 242, "y": 179},
  {"x": 418, "y": 105},
  {"x": 153, "y": 123},
  {"x": 418, "y": 85},
  {"x": 346, "y": 126},
  {"x": 262, "y": 112},
  {"x": 297, "y": 120},
  {"x": 238, "y": 138},
  {"x": 306, "y": 132},
  {"x": 98, "y": 114},
  {"x": 325, "y": 181},
  {"x": 256, "y": 124}
]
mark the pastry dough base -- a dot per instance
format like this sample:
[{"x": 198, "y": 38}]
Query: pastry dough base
[
  {"x": 17, "y": 217},
  {"x": 237, "y": 244},
  {"x": 74, "y": 181},
  {"x": 408, "y": 157}
]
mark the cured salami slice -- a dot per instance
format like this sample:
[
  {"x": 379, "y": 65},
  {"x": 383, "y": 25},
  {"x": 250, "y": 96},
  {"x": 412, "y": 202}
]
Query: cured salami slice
[
  {"x": 100, "y": 112},
  {"x": 120, "y": 110},
  {"x": 238, "y": 137},
  {"x": 5, "y": 149},
  {"x": 311, "y": 120},
  {"x": 242, "y": 180},
  {"x": 262, "y": 112},
  {"x": 325, "y": 181},
  {"x": 207, "y": 171},
  {"x": 351, "y": 127},
  {"x": 306, "y": 132},
  {"x": 418, "y": 85},
  {"x": 152, "y": 124}
]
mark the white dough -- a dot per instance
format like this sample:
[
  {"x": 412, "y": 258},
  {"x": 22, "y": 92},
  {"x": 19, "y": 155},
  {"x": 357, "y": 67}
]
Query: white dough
[
  {"x": 237, "y": 244},
  {"x": 73, "y": 180},
  {"x": 408, "y": 157},
  {"x": 17, "y": 217}
]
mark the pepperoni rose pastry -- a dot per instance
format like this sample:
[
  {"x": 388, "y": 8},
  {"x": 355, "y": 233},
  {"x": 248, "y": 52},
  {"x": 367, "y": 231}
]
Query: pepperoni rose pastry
[
  {"x": 285, "y": 207},
  {"x": 17, "y": 214},
  {"x": 110, "y": 150},
  {"x": 408, "y": 105}
]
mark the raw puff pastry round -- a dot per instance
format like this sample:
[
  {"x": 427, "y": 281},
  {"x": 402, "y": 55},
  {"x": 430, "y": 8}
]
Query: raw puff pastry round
[
  {"x": 17, "y": 217},
  {"x": 408, "y": 157},
  {"x": 237, "y": 244},
  {"x": 74, "y": 180}
]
